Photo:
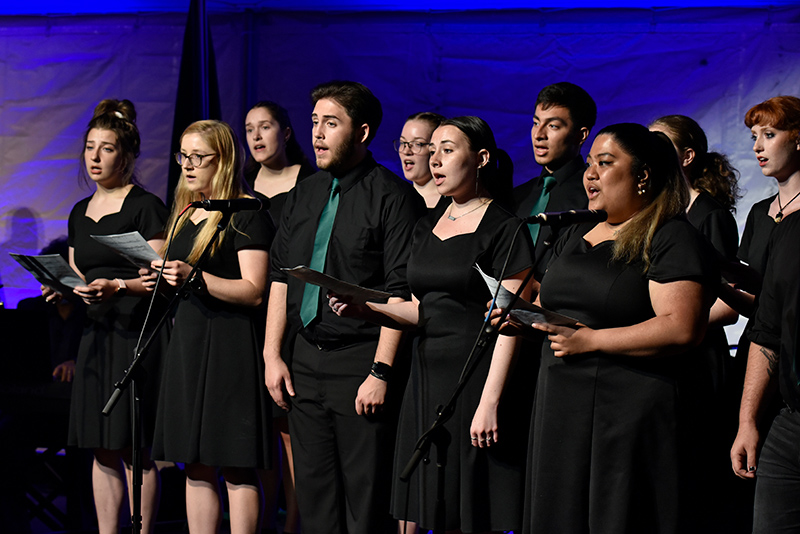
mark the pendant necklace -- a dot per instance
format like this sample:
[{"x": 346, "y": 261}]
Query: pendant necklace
[
  {"x": 449, "y": 216},
  {"x": 779, "y": 215}
]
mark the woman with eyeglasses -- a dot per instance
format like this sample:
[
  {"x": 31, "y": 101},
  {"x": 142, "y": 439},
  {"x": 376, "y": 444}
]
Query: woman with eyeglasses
[
  {"x": 115, "y": 312},
  {"x": 214, "y": 412},
  {"x": 415, "y": 154}
]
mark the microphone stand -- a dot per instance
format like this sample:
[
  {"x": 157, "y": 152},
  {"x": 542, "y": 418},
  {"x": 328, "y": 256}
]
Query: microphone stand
[
  {"x": 436, "y": 434},
  {"x": 135, "y": 377}
]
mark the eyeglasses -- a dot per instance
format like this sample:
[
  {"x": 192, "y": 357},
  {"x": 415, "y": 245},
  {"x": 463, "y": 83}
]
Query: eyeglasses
[
  {"x": 195, "y": 159},
  {"x": 416, "y": 146}
]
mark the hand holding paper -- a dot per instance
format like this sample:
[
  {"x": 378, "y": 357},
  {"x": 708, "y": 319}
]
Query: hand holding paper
[
  {"x": 352, "y": 292},
  {"x": 131, "y": 246},
  {"x": 523, "y": 312}
]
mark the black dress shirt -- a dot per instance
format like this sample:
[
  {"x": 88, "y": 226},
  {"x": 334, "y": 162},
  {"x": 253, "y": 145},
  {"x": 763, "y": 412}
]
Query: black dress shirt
[
  {"x": 776, "y": 325},
  {"x": 567, "y": 194},
  {"x": 369, "y": 244}
]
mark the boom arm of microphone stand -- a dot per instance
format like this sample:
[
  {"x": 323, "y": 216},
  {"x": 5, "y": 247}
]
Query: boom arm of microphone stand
[
  {"x": 555, "y": 228},
  {"x": 134, "y": 369}
]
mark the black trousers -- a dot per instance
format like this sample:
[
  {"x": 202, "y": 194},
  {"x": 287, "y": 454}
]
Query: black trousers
[
  {"x": 343, "y": 461},
  {"x": 777, "y": 505}
]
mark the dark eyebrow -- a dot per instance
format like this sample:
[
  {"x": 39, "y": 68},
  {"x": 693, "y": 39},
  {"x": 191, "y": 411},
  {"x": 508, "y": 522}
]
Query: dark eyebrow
[
  {"x": 551, "y": 119},
  {"x": 259, "y": 123}
]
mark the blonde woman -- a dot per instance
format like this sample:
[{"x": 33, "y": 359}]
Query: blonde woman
[{"x": 214, "y": 412}]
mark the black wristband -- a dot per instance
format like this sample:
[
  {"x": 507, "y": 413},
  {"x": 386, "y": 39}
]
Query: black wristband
[
  {"x": 381, "y": 371},
  {"x": 197, "y": 283}
]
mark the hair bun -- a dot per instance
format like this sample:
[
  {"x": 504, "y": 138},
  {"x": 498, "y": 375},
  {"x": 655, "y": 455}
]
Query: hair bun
[{"x": 121, "y": 109}]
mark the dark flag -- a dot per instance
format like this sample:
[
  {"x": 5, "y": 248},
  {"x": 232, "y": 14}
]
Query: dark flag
[{"x": 198, "y": 92}]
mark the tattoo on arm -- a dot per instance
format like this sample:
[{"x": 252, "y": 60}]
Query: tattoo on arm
[{"x": 772, "y": 361}]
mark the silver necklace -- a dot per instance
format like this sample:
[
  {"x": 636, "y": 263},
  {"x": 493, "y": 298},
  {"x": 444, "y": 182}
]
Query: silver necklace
[{"x": 449, "y": 216}]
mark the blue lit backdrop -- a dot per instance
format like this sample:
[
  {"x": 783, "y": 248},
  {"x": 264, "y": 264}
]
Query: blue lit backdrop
[{"x": 712, "y": 63}]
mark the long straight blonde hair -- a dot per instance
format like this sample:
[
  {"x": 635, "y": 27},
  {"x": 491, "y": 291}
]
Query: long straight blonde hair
[{"x": 227, "y": 183}]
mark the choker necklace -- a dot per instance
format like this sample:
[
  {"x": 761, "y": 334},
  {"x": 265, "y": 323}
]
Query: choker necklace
[
  {"x": 467, "y": 213},
  {"x": 779, "y": 215}
]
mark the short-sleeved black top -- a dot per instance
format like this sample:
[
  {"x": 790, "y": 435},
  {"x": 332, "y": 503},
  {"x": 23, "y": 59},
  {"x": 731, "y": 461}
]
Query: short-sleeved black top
[
  {"x": 603, "y": 295},
  {"x": 755, "y": 237},
  {"x": 716, "y": 223},
  {"x": 141, "y": 211}
]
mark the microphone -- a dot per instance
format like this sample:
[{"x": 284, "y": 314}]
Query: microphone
[
  {"x": 230, "y": 205},
  {"x": 563, "y": 218}
]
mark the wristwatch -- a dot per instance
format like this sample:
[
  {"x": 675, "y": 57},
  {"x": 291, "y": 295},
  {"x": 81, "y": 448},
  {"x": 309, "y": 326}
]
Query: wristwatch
[{"x": 122, "y": 289}]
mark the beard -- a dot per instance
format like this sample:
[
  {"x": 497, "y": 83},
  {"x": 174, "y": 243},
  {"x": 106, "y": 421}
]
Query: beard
[{"x": 341, "y": 156}]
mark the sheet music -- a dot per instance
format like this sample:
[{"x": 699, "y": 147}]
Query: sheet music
[
  {"x": 50, "y": 270},
  {"x": 131, "y": 246},
  {"x": 356, "y": 293},
  {"x": 524, "y": 311}
]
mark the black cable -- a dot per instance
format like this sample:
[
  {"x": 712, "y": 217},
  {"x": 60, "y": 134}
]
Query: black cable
[{"x": 158, "y": 280}]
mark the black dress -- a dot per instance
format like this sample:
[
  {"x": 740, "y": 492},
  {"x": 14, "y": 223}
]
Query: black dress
[
  {"x": 483, "y": 488},
  {"x": 605, "y": 455},
  {"x": 719, "y": 227},
  {"x": 276, "y": 204},
  {"x": 715, "y": 222},
  {"x": 214, "y": 406},
  {"x": 708, "y": 407},
  {"x": 112, "y": 327}
]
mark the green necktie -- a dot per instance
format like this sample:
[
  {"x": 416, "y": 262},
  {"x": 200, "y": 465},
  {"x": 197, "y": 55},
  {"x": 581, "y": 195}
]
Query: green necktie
[
  {"x": 310, "y": 305},
  {"x": 541, "y": 205}
]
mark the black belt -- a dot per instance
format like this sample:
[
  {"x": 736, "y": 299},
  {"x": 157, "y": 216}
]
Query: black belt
[{"x": 330, "y": 345}]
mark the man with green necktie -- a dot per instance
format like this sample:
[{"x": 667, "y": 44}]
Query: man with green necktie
[
  {"x": 564, "y": 116},
  {"x": 352, "y": 220}
]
